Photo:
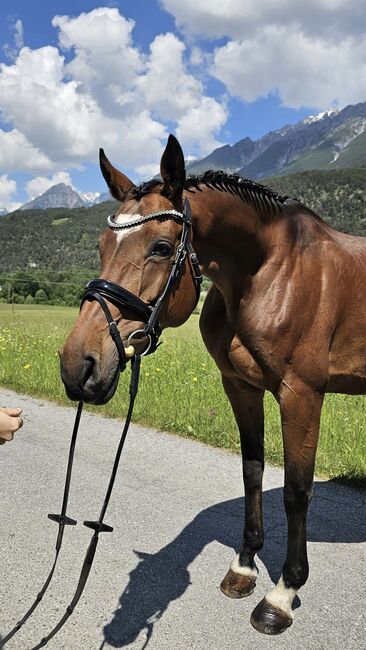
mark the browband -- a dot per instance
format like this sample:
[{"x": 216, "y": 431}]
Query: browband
[{"x": 169, "y": 214}]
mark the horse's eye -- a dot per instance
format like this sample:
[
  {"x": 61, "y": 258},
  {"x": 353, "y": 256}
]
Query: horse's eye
[{"x": 161, "y": 249}]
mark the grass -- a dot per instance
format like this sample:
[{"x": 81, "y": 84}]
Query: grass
[{"x": 180, "y": 390}]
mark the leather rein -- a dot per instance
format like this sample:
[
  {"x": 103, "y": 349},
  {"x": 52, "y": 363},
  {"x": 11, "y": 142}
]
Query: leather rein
[{"x": 149, "y": 314}]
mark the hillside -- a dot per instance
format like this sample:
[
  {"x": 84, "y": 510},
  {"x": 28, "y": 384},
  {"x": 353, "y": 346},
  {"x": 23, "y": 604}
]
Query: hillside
[
  {"x": 53, "y": 239},
  {"x": 338, "y": 196},
  {"x": 61, "y": 238},
  {"x": 334, "y": 139}
]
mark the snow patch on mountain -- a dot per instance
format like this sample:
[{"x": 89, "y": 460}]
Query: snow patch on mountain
[{"x": 315, "y": 118}]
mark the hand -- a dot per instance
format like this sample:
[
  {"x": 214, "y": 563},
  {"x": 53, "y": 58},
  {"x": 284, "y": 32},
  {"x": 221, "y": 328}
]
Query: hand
[{"x": 10, "y": 422}]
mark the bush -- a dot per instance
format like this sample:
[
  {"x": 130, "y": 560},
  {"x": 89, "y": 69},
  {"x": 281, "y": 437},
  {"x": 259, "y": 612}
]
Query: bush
[
  {"x": 17, "y": 299},
  {"x": 41, "y": 297}
]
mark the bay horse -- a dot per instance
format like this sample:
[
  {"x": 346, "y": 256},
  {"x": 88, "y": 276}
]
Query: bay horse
[{"x": 286, "y": 313}]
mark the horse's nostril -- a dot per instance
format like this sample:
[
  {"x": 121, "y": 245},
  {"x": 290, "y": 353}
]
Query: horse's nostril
[{"x": 89, "y": 365}]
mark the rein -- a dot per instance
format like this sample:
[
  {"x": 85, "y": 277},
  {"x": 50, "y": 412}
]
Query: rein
[{"x": 149, "y": 314}]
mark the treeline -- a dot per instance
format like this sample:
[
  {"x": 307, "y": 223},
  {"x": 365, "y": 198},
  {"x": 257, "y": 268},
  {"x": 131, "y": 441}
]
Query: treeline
[
  {"x": 48, "y": 255},
  {"x": 36, "y": 287},
  {"x": 53, "y": 239}
]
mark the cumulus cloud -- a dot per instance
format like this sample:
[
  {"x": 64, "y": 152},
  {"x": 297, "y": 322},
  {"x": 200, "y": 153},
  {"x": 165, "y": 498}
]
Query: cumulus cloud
[
  {"x": 168, "y": 89},
  {"x": 107, "y": 93},
  {"x": 7, "y": 189},
  {"x": 175, "y": 95},
  {"x": 320, "y": 73},
  {"x": 18, "y": 154},
  {"x": 236, "y": 19},
  {"x": 105, "y": 64},
  {"x": 310, "y": 54},
  {"x": 198, "y": 125},
  {"x": 41, "y": 184}
]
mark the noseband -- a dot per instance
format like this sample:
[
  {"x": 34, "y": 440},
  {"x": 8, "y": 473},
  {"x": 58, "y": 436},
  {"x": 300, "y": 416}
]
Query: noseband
[{"x": 124, "y": 299}]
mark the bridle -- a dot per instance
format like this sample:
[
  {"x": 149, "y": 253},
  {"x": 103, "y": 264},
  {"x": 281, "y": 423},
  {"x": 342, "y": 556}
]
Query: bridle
[
  {"x": 122, "y": 298},
  {"x": 148, "y": 314}
]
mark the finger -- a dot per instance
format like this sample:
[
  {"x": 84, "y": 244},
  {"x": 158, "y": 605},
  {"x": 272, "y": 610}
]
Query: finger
[
  {"x": 7, "y": 436},
  {"x": 16, "y": 424},
  {"x": 14, "y": 412}
]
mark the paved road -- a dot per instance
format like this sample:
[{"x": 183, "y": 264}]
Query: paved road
[{"x": 177, "y": 516}]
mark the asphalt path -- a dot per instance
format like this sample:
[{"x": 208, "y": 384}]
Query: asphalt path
[{"x": 177, "y": 513}]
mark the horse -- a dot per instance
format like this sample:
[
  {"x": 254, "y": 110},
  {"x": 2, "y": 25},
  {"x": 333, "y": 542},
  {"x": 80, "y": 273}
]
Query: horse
[{"x": 286, "y": 313}]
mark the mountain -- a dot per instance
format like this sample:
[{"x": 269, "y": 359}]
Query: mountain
[
  {"x": 93, "y": 198},
  {"x": 63, "y": 196},
  {"x": 3, "y": 211},
  {"x": 57, "y": 196},
  {"x": 61, "y": 238},
  {"x": 53, "y": 238},
  {"x": 334, "y": 139}
]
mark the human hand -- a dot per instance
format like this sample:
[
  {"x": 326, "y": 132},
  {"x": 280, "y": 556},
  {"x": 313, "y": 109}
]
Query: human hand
[{"x": 10, "y": 422}]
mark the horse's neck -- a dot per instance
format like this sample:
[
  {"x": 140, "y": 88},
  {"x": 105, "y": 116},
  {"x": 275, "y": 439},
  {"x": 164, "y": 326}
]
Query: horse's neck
[{"x": 230, "y": 236}]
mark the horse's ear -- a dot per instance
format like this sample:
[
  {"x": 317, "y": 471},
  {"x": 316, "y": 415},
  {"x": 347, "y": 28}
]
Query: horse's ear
[
  {"x": 117, "y": 182},
  {"x": 172, "y": 169}
]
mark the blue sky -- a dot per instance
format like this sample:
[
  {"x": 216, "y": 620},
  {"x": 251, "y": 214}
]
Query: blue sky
[{"x": 76, "y": 75}]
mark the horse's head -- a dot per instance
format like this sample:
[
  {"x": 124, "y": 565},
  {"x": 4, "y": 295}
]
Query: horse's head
[{"x": 139, "y": 258}]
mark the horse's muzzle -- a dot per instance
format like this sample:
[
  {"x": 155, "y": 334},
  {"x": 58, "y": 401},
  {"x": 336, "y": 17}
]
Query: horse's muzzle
[{"x": 85, "y": 381}]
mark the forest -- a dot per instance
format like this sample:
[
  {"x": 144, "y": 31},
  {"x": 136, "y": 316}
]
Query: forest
[{"x": 47, "y": 256}]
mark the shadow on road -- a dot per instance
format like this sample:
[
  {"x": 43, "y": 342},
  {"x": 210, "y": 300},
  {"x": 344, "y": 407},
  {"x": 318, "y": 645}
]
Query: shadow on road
[{"x": 337, "y": 515}]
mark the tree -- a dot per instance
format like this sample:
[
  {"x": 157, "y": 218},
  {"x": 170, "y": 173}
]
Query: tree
[{"x": 41, "y": 297}]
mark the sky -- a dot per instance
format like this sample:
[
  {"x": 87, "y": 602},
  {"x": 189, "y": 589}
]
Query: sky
[{"x": 76, "y": 75}]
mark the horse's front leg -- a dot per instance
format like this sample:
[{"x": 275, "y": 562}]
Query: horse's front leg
[
  {"x": 300, "y": 415},
  {"x": 247, "y": 405}
]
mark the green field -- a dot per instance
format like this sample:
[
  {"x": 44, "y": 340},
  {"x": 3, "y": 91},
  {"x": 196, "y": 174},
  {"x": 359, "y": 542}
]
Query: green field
[{"x": 180, "y": 390}]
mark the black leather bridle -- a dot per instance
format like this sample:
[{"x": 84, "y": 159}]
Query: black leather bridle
[
  {"x": 148, "y": 314},
  {"x": 122, "y": 298}
]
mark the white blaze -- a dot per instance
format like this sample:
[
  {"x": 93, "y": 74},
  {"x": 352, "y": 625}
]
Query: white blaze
[{"x": 126, "y": 218}]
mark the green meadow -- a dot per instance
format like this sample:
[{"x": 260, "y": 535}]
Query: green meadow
[{"x": 180, "y": 390}]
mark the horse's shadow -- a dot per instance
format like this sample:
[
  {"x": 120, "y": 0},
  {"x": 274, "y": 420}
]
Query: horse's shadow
[{"x": 336, "y": 515}]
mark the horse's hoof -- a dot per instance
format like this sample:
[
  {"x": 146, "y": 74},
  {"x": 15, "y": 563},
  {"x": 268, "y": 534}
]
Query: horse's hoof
[
  {"x": 236, "y": 585},
  {"x": 269, "y": 619}
]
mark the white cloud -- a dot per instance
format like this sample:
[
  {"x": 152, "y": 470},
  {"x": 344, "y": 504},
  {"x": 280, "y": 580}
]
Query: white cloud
[
  {"x": 148, "y": 171},
  {"x": 107, "y": 94},
  {"x": 169, "y": 91},
  {"x": 19, "y": 34},
  {"x": 8, "y": 187},
  {"x": 236, "y": 19},
  {"x": 311, "y": 54},
  {"x": 302, "y": 70},
  {"x": 63, "y": 122},
  {"x": 18, "y": 154},
  {"x": 11, "y": 51},
  {"x": 174, "y": 94},
  {"x": 198, "y": 125},
  {"x": 105, "y": 64},
  {"x": 41, "y": 184}
]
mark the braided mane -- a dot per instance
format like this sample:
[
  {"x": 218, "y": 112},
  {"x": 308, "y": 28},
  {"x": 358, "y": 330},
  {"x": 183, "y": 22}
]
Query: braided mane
[
  {"x": 249, "y": 191},
  {"x": 260, "y": 196}
]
